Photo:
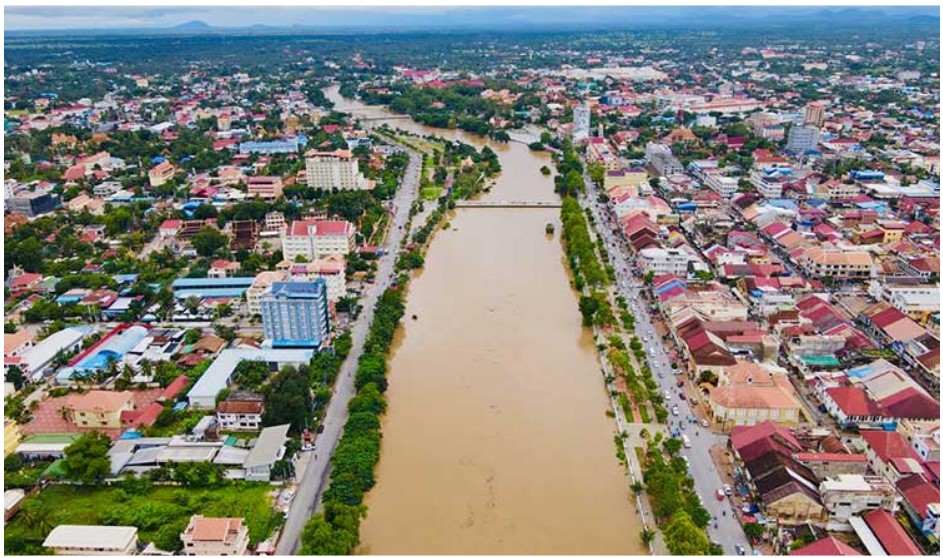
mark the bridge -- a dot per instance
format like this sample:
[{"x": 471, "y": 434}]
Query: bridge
[{"x": 508, "y": 204}]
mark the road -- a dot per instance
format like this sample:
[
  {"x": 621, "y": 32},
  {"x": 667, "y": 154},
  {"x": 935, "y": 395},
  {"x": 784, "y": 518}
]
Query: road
[
  {"x": 707, "y": 479},
  {"x": 315, "y": 474}
]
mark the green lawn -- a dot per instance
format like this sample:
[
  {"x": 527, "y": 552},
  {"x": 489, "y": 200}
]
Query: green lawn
[
  {"x": 432, "y": 193},
  {"x": 160, "y": 513},
  {"x": 643, "y": 412}
]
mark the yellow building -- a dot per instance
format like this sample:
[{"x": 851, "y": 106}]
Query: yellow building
[
  {"x": 748, "y": 394},
  {"x": 11, "y": 437},
  {"x": 99, "y": 409}
]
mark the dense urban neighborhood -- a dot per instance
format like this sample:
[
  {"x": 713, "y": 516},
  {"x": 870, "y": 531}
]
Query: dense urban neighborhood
[{"x": 224, "y": 251}]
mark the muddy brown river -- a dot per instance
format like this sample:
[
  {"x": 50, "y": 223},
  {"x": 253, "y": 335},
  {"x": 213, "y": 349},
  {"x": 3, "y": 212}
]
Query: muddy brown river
[{"x": 496, "y": 439}]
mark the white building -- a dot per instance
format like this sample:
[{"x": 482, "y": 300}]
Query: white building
[
  {"x": 38, "y": 360},
  {"x": 665, "y": 260},
  {"x": 326, "y": 170},
  {"x": 217, "y": 377},
  {"x": 845, "y": 496},
  {"x": 92, "y": 540},
  {"x": 312, "y": 239},
  {"x": 581, "y": 121},
  {"x": 802, "y": 138}
]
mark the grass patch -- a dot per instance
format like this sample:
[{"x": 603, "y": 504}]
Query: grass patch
[
  {"x": 432, "y": 193},
  {"x": 643, "y": 412},
  {"x": 158, "y": 512}
]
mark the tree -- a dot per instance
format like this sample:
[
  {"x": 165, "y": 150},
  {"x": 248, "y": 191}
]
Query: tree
[
  {"x": 208, "y": 241},
  {"x": 15, "y": 376},
  {"x": 86, "y": 459},
  {"x": 753, "y": 530},
  {"x": 287, "y": 398},
  {"x": 320, "y": 538},
  {"x": 683, "y": 537}
]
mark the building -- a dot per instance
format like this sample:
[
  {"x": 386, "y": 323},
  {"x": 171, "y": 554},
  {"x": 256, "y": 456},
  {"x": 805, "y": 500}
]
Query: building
[
  {"x": 261, "y": 285},
  {"x": 581, "y": 121},
  {"x": 829, "y": 546},
  {"x": 269, "y": 447},
  {"x": 239, "y": 415},
  {"x": 161, "y": 174},
  {"x": 749, "y": 393},
  {"x": 845, "y": 496},
  {"x": 814, "y": 115},
  {"x": 836, "y": 264},
  {"x": 92, "y": 540},
  {"x": 32, "y": 204},
  {"x": 330, "y": 268},
  {"x": 99, "y": 409},
  {"x": 217, "y": 377},
  {"x": 802, "y": 139},
  {"x": 921, "y": 501},
  {"x": 295, "y": 314},
  {"x": 312, "y": 239},
  {"x": 265, "y": 187},
  {"x": 39, "y": 359},
  {"x": 659, "y": 156},
  {"x": 662, "y": 261},
  {"x": 327, "y": 170},
  {"x": 11, "y": 437},
  {"x": 215, "y": 536}
]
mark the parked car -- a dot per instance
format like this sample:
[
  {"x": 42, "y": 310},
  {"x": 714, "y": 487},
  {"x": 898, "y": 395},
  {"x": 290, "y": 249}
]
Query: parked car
[
  {"x": 728, "y": 490},
  {"x": 720, "y": 494},
  {"x": 740, "y": 550}
]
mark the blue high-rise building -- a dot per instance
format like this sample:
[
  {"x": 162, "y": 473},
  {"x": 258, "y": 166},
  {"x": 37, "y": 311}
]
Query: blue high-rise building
[{"x": 295, "y": 314}]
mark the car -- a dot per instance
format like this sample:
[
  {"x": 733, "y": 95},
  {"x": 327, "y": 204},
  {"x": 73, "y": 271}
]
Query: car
[
  {"x": 667, "y": 395},
  {"x": 740, "y": 550},
  {"x": 320, "y": 428},
  {"x": 719, "y": 494},
  {"x": 727, "y": 490},
  {"x": 674, "y": 410},
  {"x": 704, "y": 423},
  {"x": 682, "y": 396}
]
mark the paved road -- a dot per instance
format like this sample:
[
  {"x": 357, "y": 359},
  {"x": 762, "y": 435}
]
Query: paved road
[
  {"x": 315, "y": 474},
  {"x": 707, "y": 479}
]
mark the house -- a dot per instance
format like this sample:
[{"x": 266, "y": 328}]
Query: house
[
  {"x": 889, "y": 455},
  {"x": 829, "y": 546},
  {"x": 220, "y": 269},
  {"x": 239, "y": 415},
  {"x": 161, "y": 174},
  {"x": 92, "y": 540},
  {"x": 269, "y": 447},
  {"x": 921, "y": 501},
  {"x": 18, "y": 342},
  {"x": 215, "y": 536},
  {"x": 264, "y": 187},
  {"x": 99, "y": 409}
]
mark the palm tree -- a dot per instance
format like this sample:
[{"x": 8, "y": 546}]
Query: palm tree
[{"x": 647, "y": 535}]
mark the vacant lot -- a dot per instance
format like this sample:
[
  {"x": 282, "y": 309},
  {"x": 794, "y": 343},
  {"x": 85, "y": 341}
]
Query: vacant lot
[{"x": 160, "y": 513}]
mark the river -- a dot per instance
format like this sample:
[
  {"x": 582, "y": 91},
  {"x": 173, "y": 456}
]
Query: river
[{"x": 496, "y": 439}]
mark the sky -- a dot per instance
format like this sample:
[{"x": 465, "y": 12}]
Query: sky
[{"x": 112, "y": 17}]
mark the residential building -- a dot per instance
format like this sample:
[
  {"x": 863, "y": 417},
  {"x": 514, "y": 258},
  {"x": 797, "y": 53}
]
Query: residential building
[
  {"x": 312, "y": 239},
  {"x": 845, "y": 496},
  {"x": 265, "y": 187},
  {"x": 32, "y": 204},
  {"x": 333, "y": 169},
  {"x": 662, "y": 261},
  {"x": 99, "y": 409},
  {"x": 260, "y": 286},
  {"x": 39, "y": 359},
  {"x": 802, "y": 139},
  {"x": 269, "y": 447},
  {"x": 581, "y": 121},
  {"x": 921, "y": 501},
  {"x": 889, "y": 455},
  {"x": 828, "y": 546},
  {"x": 330, "y": 268},
  {"x": 814, "y": 115},
  {"x": 295, "y": 314},
  {"x": 92, "y": 540},
  {"x": 660, "y": 157},
  {"x": 161, "y": 174},
  {"x": 838, "y": 264},
  {"x": 239, "y": 415},
  {"x": 215, "y": 536}
]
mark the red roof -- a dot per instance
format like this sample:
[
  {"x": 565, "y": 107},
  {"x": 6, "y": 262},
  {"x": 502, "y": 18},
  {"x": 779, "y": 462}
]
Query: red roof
[
  {"x": 892, "y": 536},
  {"x": 742, "y": 436},
  {"x": 170, "y": 224},
  {"x": 887, "y": 445},
  {"x": 854, "y": 402},
  {"x": 918, "y": 492},
  {"x": 832, "y": 457},
  {"x": 829, "y": 546},
  {"x": 147, "y": 416},
  {"x": 174, "y": 388}
]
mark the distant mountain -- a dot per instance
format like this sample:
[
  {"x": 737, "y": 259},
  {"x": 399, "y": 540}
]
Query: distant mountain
[{"x": 193, "y": 26}]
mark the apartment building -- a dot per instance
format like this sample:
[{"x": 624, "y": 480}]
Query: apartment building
[
  {"x": 837, "y": 264},
  {"x": 326, "y": 170},
  {"x": 261, "y": 285},
  {"x": 581, "y": 121},
  {"x": 264, "y": 187},
  {"x": 330, "y": 268},
  {"x": 215, "y": 536},
  {"x": 802, "y": 138},
  {"x": 295, "y": 314},
  {"x": 662, "y": 261},
  {"x": 660, "y": 157},
  {"x": 312, "y": 239}
]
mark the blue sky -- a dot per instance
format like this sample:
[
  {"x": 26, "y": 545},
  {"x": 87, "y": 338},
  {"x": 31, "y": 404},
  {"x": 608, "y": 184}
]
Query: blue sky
[{"x": 105, "y": 17}]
